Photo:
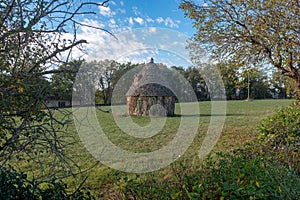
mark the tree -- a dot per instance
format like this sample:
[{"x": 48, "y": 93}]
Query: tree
[
  {"x": 32, "y": 44},
  {"x": 62, "y": 83},
  {"x": 105, "y": 82},
  {"x": 257, "y": 82},
  {"x": 281, "y": 87},
  {"x": 230, "y": 78},
  {"x": 195, "y": 79},
  {"x": 247, "y": 31}
]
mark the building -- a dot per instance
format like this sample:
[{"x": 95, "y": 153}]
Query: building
[
  {"x": 149, "y": 93},
  {"x": 57, "y": 103}
]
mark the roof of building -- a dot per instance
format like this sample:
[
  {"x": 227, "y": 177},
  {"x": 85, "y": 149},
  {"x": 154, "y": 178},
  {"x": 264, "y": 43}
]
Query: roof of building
[{"x": 149, "y": 81}]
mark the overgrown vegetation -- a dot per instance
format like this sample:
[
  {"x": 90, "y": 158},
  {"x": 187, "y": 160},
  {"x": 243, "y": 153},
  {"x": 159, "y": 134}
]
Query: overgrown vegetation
[
  {"x": 16, "y": 185},
  {"x": 280, "y": 136},
  {"x": 228, "y": 177},
  {"x": 33, "y": 44}
]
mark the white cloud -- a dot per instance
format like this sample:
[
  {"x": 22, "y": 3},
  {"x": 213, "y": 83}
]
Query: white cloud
[
  {"x": 149, "y": 19},
  {"x": 112, "y": 24},
  {"x": 130, "y": 20},
  {"x": 159, "y": 20},
  {"x": 152, "y": 30},
  {"x": 139, "y": 20},
  {"x": 136, "y": 11},
  {"x": 106, "y": 12},
  {"x": 91, "y": 22},
  {"x": 169, "y": 22},
  {"x": 123, "y": 11},
  {"x": 122, "y": 3},
  {"x": 112, "y": 21},
  {"x": 129, "y": 44}
]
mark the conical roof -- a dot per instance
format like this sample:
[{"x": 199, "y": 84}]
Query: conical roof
[{"x": 150, "y": 82}]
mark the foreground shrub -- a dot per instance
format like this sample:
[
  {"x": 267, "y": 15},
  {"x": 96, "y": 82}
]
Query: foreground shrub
[
  {"x": 14, "y": 185},
  {"x": 280, "y": 136},
  {"x": 231, "y": 177}
]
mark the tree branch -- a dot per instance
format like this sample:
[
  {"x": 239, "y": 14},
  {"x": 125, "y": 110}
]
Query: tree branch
[{"x": 57, "y": 51}]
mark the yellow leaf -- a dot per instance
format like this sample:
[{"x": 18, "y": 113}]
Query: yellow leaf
[
  {"x": 279, "y": 189},
  {"x": 20, "y": 89},
  {"x": 257, "y": 184}
]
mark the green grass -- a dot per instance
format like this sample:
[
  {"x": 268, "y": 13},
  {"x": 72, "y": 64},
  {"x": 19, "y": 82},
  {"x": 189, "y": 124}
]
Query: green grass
[{"x": 242, "y": 118}]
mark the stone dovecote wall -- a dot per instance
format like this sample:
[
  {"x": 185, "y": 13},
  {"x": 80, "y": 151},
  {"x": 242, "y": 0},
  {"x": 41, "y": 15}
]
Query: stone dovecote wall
[
  {"x": 142, "y": 105},
  {"x": 149, "y": 93}
]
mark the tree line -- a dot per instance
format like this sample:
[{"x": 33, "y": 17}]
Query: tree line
[{"x": 254, "y": 83}]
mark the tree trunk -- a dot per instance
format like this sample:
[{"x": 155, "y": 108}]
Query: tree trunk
[{"x": 298, "y": 93}]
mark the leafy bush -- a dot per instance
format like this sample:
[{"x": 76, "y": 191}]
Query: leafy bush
[
  {"x": 244, "y": 177},
  {"x": 283, "y": 128},
  {"x": 280, "y": 135},
  {"x": 231, "y": 177},
  {"x": 15, "y": 185}
]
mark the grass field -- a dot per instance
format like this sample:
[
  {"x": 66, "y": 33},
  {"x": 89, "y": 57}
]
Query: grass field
[{"x": 242, "y": 118}]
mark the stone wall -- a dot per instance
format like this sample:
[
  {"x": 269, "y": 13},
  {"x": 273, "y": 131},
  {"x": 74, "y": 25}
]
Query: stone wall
[{"x": 140, "y": 106}]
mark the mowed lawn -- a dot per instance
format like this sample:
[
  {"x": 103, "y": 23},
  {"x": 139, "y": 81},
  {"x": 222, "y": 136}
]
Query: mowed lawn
[{"x": 241, "y": 120}]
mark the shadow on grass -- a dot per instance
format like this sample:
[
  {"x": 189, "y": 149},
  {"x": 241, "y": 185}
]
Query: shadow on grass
[{"x": 208, "y": 115}]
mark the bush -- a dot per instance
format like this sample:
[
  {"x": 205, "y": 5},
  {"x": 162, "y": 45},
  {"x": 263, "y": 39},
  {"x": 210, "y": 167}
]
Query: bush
[
  {"x": 231, "y": 177},
  {"x": 244, "y": 177},
  {"x": 283, "y": 128},
  {"x": 15, "y": 185},
  {"x": 280, "y": 135}
]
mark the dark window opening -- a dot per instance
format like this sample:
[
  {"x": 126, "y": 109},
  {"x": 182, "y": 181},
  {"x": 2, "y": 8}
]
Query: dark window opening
[{"x": 61, "y": 104}]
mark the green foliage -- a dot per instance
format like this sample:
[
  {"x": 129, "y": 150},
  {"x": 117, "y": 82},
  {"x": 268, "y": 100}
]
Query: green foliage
[
  {"x": 280, "y": 135},
  {"x": 32, "y": 45},
  {"x": 230, "y": 177},
  {"x": 244, "y": 32},
  {"x": 14, "y": 185},
  {"x": 283, "y": 128},
  {"x": 244, "y": 177},
  {"x": 62, "y": 83}
]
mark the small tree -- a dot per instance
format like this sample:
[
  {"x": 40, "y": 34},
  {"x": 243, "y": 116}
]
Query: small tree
[
  {"x": 33, "y": 43},
  {"x": 241, "y": 31}
]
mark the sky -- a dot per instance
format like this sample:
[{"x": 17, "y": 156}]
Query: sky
[
  {"x": 143, "y": 28},
  {"x": 128, "y": 14}
]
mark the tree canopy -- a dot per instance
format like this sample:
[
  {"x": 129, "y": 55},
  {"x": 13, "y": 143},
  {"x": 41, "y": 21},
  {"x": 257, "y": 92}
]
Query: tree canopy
[
  {"x": 33, "y": 44},
  {"x": 247, "y": 31}
]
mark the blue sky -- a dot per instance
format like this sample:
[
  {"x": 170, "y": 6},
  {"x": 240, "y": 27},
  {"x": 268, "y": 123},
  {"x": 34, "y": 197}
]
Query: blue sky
[
  {"x": 127, "y": 14},
  {"x": 125, "y": 19}
]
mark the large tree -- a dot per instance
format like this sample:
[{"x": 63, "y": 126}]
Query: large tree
[
  {"x": 32, "y": 43},
  {"x": 247, "y": 31},
  {"x": 62, "y": 83}
]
